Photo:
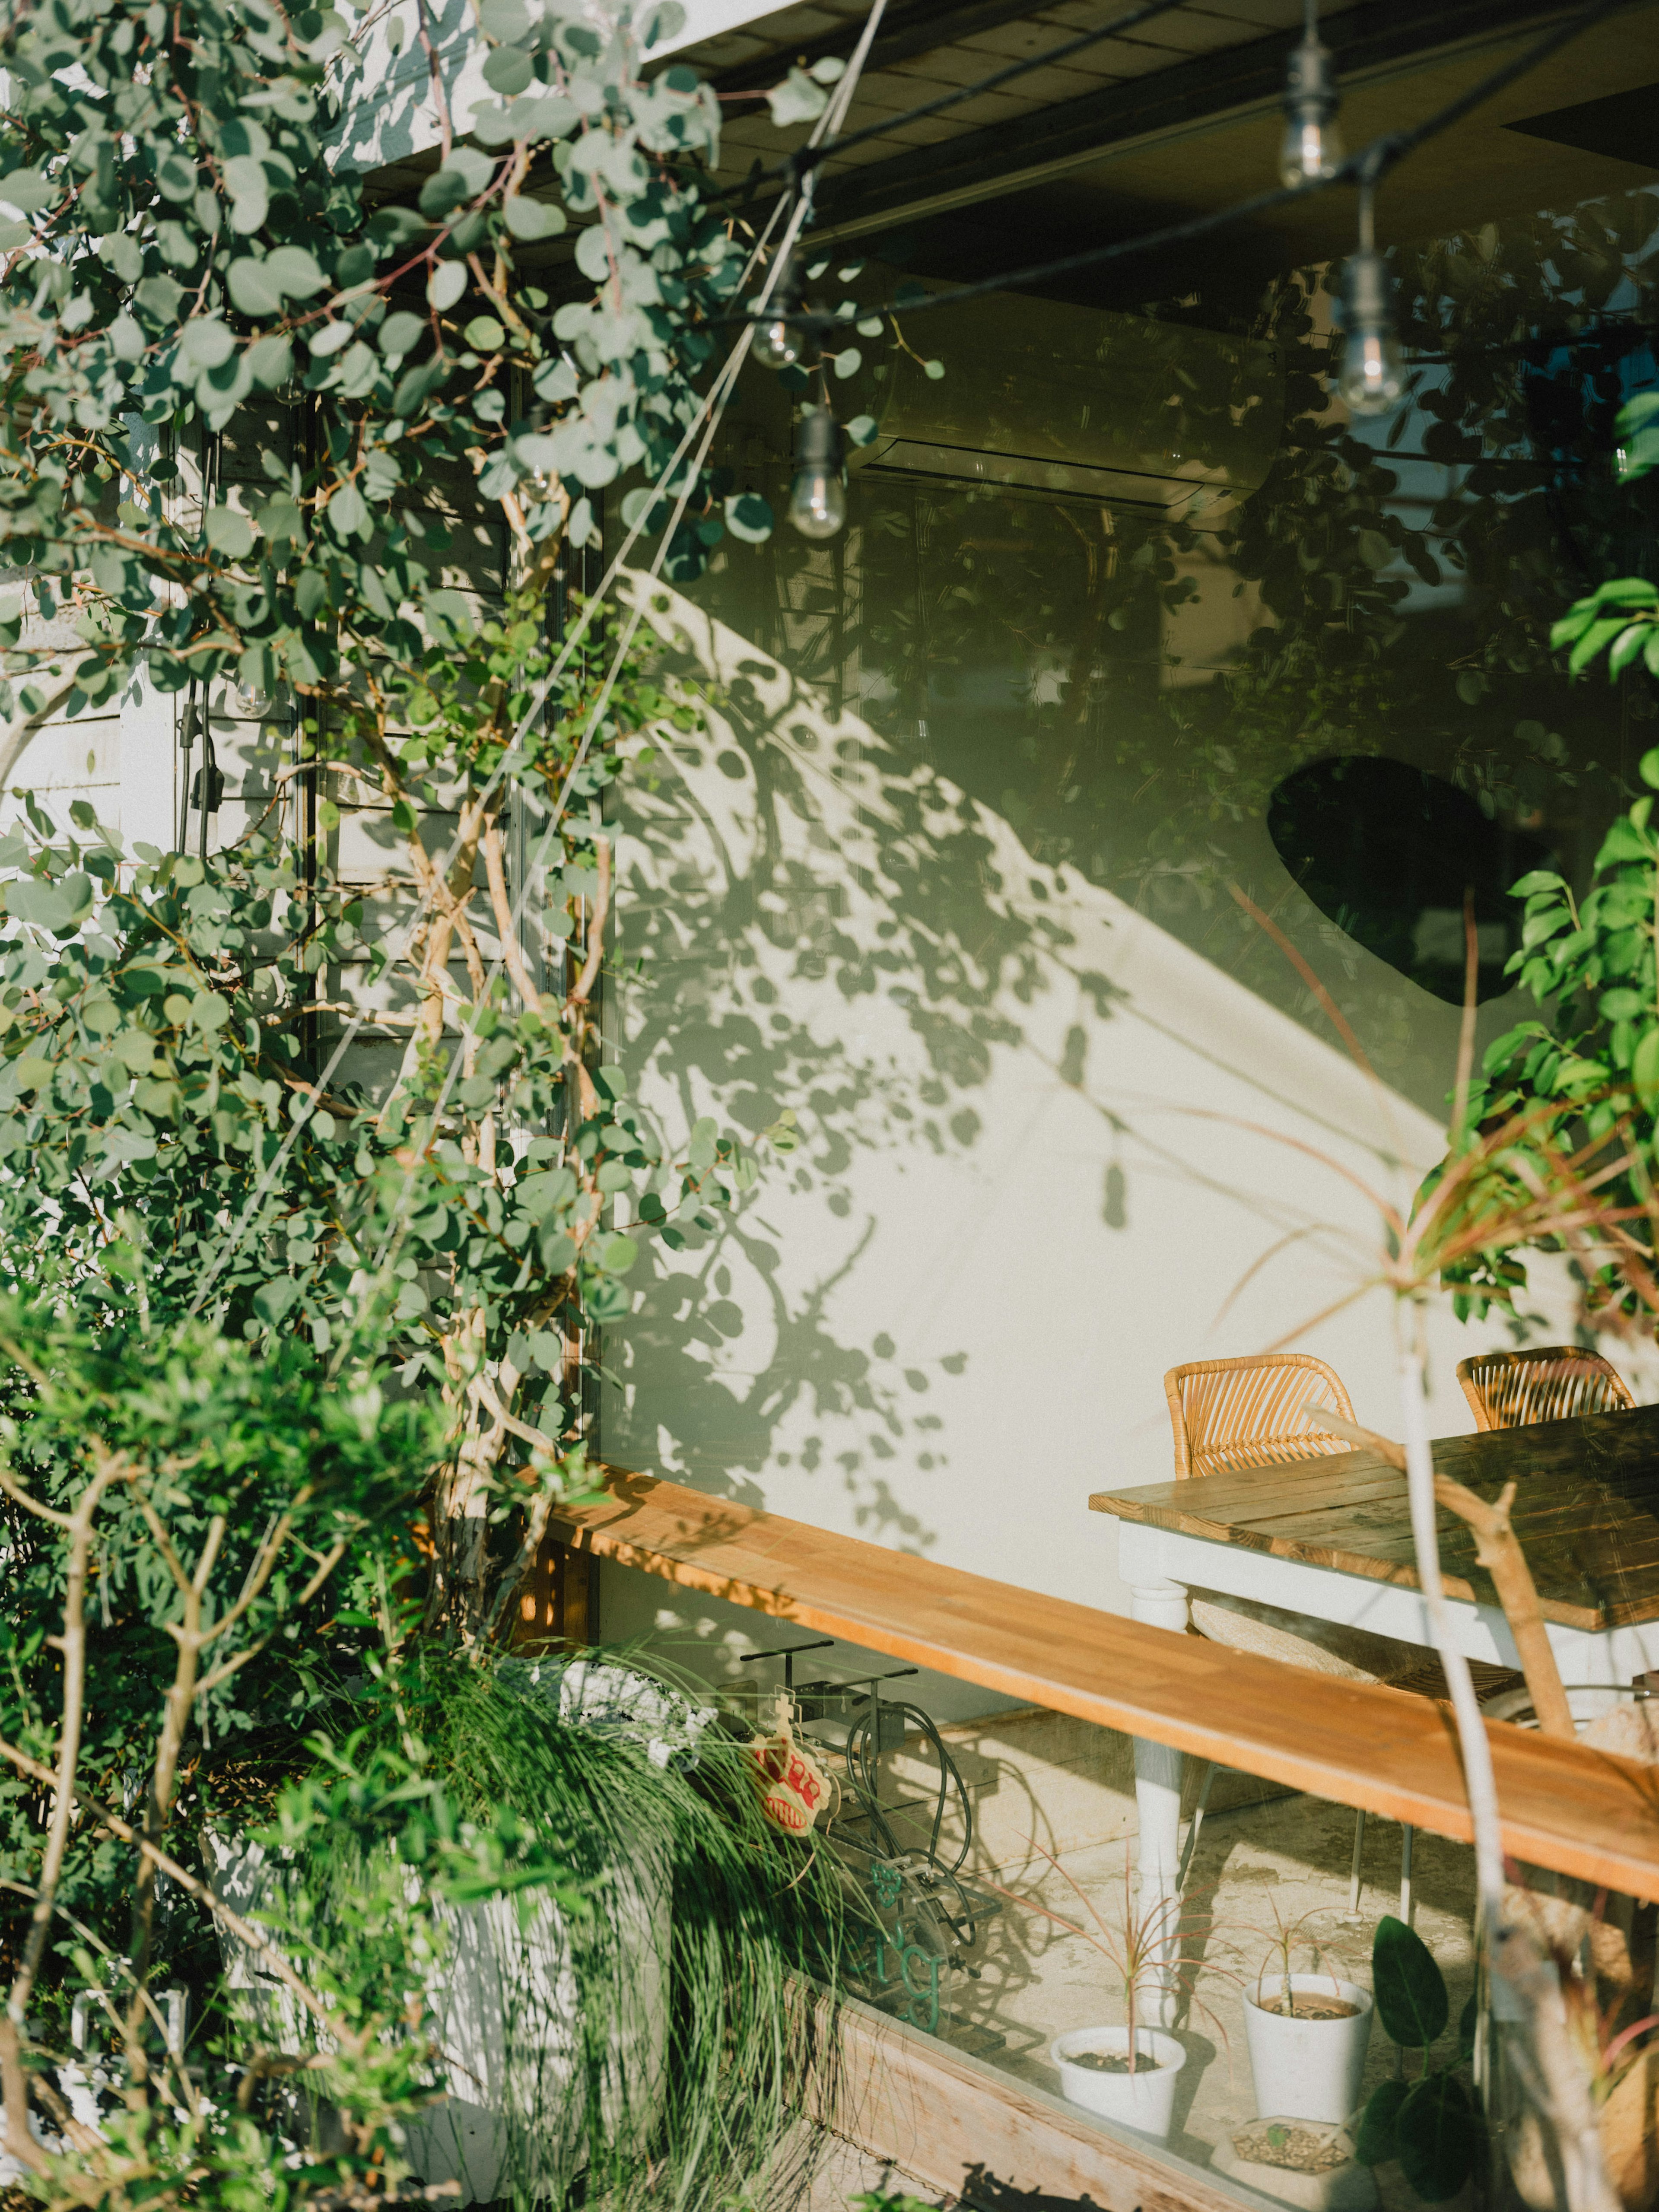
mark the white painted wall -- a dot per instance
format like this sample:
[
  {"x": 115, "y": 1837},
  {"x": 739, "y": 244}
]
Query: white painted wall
[{"x": 937, "y": 1333}]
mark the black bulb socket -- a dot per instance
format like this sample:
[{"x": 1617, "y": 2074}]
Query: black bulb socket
[
  {"x": 1367, "y": 292},
  {"x": 1310, "y": 92},
  {"x": 818, "y": 441}
]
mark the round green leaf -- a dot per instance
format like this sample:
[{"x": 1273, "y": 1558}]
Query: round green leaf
[
  {"x": 618, "y": 1255},
  {"x": 205, "y": 342},
  {"x": 530, "y": 219},
  {"x": 272, "y": 1300},
  {"x": 253, "y": 290},
  {"x": 505, "y": 20},
  {"x": 401, "y": 334},
  {"x": 229, "y": 532},
  {"x": 508, "y": 69},
  {"x": 484, "y": 333},
  {"x": 446, "y": 285},
  {"x": 348, "y": 513},
  {"x": 245, "y": 181},
  {"x": 271, "y": 362},
  {"x": 750, "y": 518},
  {"x": 295, "y": 267}
]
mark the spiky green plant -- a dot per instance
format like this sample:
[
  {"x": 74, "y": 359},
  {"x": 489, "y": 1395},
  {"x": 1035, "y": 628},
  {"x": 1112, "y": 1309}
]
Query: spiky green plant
[{"x": 682, "y": 1927}]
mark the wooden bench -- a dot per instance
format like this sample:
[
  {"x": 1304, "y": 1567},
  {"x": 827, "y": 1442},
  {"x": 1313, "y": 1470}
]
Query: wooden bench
[{"x": 1578, "y": 1811}]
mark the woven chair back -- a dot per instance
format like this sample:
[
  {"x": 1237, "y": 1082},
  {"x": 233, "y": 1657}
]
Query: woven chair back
[
  {"x": 1556, "y": 1382},
  {"x": 1229, "y": 1414}
]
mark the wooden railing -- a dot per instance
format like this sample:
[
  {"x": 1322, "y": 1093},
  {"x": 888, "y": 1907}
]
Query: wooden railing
[{"x": 1579, "y": 1811}]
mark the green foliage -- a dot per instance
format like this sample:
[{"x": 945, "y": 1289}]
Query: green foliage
[
  {"x": 1408, "y": 1988},
  {"x": 1569, "y": 1088},
  {"x": 296, "y": 1361},
  {"x": 186, "y": 252},
  {"x": 749, "y": 1909},
  {"x": 1431, "y": 2125}
]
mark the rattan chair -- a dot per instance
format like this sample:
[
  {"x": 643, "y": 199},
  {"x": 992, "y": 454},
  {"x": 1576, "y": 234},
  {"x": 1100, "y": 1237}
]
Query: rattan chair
[
  {"x": 1232, "y": 1414},
  {"x": 1229, "y": 1414},
  {"x": 1556, "y": 1382}
]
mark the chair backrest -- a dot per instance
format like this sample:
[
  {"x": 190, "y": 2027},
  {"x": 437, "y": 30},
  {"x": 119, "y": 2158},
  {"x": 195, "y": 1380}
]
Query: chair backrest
[
  {"x": 1557, "y": 1381},
  {"x": 1229, "y": 1413}
]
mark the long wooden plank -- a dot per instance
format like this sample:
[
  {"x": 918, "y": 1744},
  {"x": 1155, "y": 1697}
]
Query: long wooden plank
[{"x": 1579, "y": 1811}]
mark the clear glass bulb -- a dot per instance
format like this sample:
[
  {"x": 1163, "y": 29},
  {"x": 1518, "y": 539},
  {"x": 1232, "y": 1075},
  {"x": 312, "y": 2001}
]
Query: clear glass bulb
[
  {"x": 1373, "y": 376},
  {"x": 776, "y": 345},
  {"x": 818, "y": 502},
  {"x": 1310, "y": 150}
]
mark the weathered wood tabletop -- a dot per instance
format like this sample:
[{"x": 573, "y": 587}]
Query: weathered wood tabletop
[{"x": 1586, "y": 1512}]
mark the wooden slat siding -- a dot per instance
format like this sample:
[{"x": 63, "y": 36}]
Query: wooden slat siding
[
  {"x": 1586, "y": 1512},
  {"x": 901, "y": 2095},
  {"x": 1579, "y": 1811}
]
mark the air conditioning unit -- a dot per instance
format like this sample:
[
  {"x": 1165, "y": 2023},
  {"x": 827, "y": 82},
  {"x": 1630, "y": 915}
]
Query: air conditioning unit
[{"x": 1164, "y": 417}]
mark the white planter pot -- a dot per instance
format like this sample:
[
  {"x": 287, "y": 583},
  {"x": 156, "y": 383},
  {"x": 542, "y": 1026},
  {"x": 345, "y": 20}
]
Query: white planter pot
[
  {"x": 1144, "y": 2100},
  {"x": 1308, "y": 2069},
  {"x": 504, "y": 2003}
]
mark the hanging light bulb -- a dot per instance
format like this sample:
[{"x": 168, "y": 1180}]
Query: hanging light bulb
[
  {"x": 1372, "y": 378},
  {"x": 777, "y": 340},
  {"x": 818, "y": 498},
  {"x": 1311, "y": 149}
]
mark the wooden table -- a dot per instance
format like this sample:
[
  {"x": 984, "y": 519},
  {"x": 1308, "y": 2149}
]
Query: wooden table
[{"x": 1332, "y": 1537}]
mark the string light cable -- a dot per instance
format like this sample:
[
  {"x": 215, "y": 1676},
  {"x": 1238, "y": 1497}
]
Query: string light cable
[
  {"x": 796, "y": 165},
  {"x": 1373, "y": 162},
  {"x": 708, "y": 414}
]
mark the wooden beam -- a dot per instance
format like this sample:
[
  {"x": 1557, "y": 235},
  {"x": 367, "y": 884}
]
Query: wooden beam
[
  {"x": 1578, "y": 1811},
  {"x": 1206, "y": 89},
  {"x": 905, "y": 33}
]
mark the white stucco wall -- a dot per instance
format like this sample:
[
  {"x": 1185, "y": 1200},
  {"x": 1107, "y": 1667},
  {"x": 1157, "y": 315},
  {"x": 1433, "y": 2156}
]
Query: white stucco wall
[{"x": 942, "y": 1328}]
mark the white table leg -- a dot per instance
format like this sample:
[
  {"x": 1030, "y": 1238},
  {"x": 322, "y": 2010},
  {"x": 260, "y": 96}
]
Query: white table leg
[{"x": 1158, "y": 1770}]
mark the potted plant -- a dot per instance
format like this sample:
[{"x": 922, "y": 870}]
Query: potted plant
[
  {"x": 1432, "y": 2125},
  {"x": 1128, "y": 2071},
  {"x": 1307, "y": 2033}
]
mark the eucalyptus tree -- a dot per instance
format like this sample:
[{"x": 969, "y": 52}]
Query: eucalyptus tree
[
  {"x": 294, "y": 1360},
  {"x": 186, "y": 275}
]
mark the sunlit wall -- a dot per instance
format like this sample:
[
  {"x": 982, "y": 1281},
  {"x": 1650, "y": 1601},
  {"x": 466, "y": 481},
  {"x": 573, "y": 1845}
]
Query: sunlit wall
[{"x": 1077, "y": 846}]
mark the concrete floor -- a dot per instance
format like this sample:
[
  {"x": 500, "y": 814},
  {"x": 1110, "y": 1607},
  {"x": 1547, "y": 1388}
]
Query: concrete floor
[{"x": 1278, "y": 1861}]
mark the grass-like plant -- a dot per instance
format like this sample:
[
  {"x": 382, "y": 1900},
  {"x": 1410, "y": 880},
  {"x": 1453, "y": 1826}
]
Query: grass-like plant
[{"x": 1280, "y": 1956}]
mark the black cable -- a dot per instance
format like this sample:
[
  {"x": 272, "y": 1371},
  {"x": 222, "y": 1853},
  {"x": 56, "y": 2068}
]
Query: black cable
[
  {"x": 863, "y": 1758},
  {"x": 1371, "y": 163},
  {"x": 810, "y": 157}
]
